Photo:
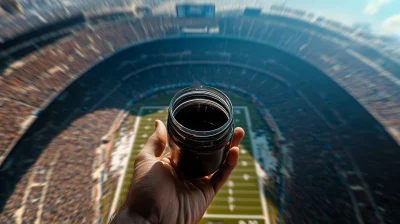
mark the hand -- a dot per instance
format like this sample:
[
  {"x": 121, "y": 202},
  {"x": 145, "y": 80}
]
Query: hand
[{"x": 159, "y": 194}]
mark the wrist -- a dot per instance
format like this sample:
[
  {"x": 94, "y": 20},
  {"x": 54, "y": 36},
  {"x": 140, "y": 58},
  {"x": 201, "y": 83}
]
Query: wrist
[{"x": 124, "y": 216}]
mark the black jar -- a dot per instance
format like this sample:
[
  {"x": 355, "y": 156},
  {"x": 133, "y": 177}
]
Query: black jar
[{"x": 200, "y": 130}]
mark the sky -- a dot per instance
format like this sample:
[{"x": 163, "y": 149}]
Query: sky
[{"x": 382, "y": 15}]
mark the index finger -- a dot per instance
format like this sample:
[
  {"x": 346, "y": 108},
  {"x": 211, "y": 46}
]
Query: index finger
[{"x": 238, "y": 135}]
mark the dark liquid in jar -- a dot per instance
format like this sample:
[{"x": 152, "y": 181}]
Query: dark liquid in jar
[
  {"x": 192, "y": 160},
  {"x": 201, "y": 117}
]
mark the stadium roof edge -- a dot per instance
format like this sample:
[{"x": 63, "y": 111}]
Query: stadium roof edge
[{"x": 220, "y": 14}]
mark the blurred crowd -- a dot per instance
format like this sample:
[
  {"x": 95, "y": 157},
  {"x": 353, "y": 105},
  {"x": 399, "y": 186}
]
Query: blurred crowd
[
  {"x": 59, "y": 65},
  {"x": 331, "y": 137},
  {"x": 37, "y": 13}
]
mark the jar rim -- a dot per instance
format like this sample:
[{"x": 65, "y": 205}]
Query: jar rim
[{"x": 196, "y": 133}]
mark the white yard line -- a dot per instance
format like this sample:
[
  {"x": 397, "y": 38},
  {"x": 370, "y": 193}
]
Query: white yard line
[
  {"x": 240, "y": 176},
  {"x": 236, "y": 199},
  {"x": 121, "y": 179},
  {"x": 243, "y": 169},
  {"x": 229, "y": 216},
  {"x": 237, "y": 207},
  {"x": 241, "y": 191},
  {"x": 260, "y": 183},
  {"x": 244, "y": 185}
]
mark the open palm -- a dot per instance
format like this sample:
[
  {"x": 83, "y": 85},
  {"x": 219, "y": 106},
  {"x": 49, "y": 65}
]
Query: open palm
[{"x": 159, "y": 193}]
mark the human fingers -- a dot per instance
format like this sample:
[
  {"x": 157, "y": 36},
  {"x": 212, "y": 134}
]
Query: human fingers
[
  {"x": 222, "y": 175},
  {"x": 156, "y": 143},
  {"x": 238, "y": 135}
]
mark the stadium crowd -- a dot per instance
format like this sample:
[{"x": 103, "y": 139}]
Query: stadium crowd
[
  {"x": 61, "y": 64},
  {"x": 54, "y": 166},
  {"x": 38, "y": 13},
  {"x": 54, "y": 161},
  {"x": 12, "y": 115}
]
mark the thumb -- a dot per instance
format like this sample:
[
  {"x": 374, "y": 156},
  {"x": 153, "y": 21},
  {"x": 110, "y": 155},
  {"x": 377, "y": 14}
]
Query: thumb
[{"x": 157, "y": 141}]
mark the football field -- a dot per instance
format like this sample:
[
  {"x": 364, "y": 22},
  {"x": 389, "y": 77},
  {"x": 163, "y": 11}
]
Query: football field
[{"x": 240, "y": 200}]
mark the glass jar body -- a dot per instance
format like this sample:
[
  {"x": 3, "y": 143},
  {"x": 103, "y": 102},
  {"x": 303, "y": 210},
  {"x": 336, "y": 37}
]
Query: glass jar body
[{"x": 200, "y": 130}]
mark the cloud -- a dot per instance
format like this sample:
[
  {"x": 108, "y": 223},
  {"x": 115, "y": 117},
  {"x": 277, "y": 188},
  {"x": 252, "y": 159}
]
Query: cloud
[
  {"x": 373, "y": 6},
  {"x": 392, "y": 24}
]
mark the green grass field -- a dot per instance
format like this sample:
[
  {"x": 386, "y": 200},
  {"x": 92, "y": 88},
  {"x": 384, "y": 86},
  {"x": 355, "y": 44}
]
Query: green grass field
[{"x": 238, "y": 201}]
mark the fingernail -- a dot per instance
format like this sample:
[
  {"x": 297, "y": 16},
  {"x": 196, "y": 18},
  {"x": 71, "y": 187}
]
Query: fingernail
[{"x": 156, "y": 124}]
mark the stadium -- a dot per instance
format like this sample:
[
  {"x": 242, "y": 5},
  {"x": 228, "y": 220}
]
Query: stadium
[{"x": 319, "y": 104}]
